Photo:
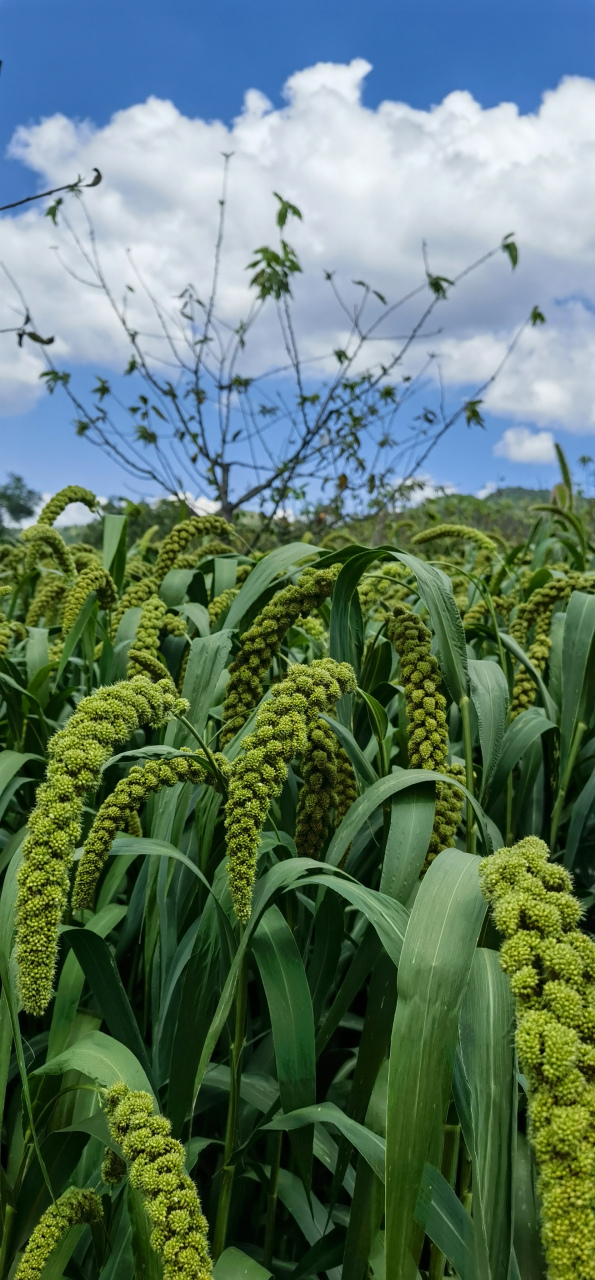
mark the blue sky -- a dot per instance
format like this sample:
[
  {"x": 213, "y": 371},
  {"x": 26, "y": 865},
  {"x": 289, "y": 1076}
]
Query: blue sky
[{"x": 87, "y": 61}]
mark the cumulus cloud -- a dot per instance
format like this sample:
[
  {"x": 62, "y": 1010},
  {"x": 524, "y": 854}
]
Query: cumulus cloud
[
  {"x": 489, "y": 487},
  {"x": 518, "y": 444},
  {"x": 371, "y": 184}
]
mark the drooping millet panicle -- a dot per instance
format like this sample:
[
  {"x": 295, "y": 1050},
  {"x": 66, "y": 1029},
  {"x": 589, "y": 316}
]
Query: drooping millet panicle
[
  {"x": 93, "y": 578},
  {"x": 221, "y": 603},
  {"x": 113, "y": 1168},
  {"x": 181, "y": 534},
  {"x": 42, "y": 540},
  {"x": 9, "y": 631},
  {"x": 447, "y": 815},
  {"x": 260, "y": 770},
  {"x": 464, "y": 531},
  {"x": 425, "y": 704},
  {"x": 146, "y": 541},
  {"x": 427, "y": 729},
  {"x": 551, "y": 965},
  {"x": 537, "y": 612},
  {"x": 62, "y": 499},
  {"x": 214, "y": 547},
  {"x": 143, "y": 653},
  {"x": 132, "y": 598},
  {"x": 72, "y": 1209},
  {"x": 76, "y": 753},
  {"x": 381, "y": 589},
  {"x": 317, "y": 796},
  {"x": 345, "y": 785},
  {"x": 313, "y": 627},
  {"x": 478, "y": 611},
  {"x": 180, "y": 1230},
  {"x": 116, "y": 812},
  {"x": 9, "y": 628},
  {"x": 137, "y": 569},
  {"x": 262, "y": 641},
  {"x": 84, "y": 555}
]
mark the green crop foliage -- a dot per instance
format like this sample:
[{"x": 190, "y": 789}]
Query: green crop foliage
[{"x": 296, "y": 896}]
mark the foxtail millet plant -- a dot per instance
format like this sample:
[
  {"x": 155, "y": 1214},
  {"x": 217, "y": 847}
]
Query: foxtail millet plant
[
  {"x": 426, "y": 720},
  {"x": 262, "y": 641},
  {"x": 179, "y": 1234},
  {"x": 317, "y": 797},
  {"x": 77, "y": 753},
  {"x": 74, "y": 1208},
  {"x": 62, "y": 499},
  {"x": 221, "y": 603},
  {"x": 47, "y": 600},
  {"x": 133, "y": 597},
  {"x": 181, "y": 534},
  {"x": 551, "y": 965},
  {"x": 42, "y": 540},
  {"x": 128, "y": 796},
  {"x": 143, "y": 653},
  {"x": 280, "y": 734},
  {"x": 537, "y": 612},
  {"x": 463, "y": 531},
  {"x": 345, "y": 785},
  {"x": 93, "y": 578}
]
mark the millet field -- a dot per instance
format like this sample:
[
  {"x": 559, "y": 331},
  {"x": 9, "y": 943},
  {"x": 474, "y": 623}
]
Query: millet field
[{"x": 297, "y": 881}]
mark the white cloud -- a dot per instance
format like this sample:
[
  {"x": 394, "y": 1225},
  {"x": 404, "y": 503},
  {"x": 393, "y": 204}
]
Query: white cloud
[
  {"x": 518, "y": 444},
  {"x": 371, "y": 184},
  {"x": 489, "y": 487},
  {"x": 425, "y": 487}
]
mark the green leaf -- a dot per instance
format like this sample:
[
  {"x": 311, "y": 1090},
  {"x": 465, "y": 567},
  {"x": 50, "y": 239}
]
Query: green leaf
[
  {"x": 147, "y": 1262},
  {"x": 8, "y": 902},
  {"x": 114, "y": 547},
  {"x": 488, "y": 1065},
  {"x": 235, "y": 1265},
  {"x": 510, "y": 248},
  {"x": 489, "y": 694},
  {"x": 72, "y": 979},
  {"x": 275, "y": 563},
  {"x": 346, "y": 630},
  {"x": 101, "y": 1058},
  {"x": 369, "y": 1144},
  {"x": 292, "y": 1022},
  {"x": 446, "y": 1222},
  {"x": 519, "y": 735},
  {"x": 387, "y": 917},
  {"x": 435, "y": 589},
  {"x": 437, "y": 953},
  {"x": 382, "y": 790},
  {"x": 527, "y": 1244},
  {"x": 578, "y": 669},
  {"x": 11, "y": 762},
  {"x": 511, "y": 644},
  {"x": 122, "y": 641},
  {"x": 37, "y": 653},
  {"x": 582, "y": 807},
  {"x": 76, "y": 633},
  {"x": 411, "y": 823},
  {"x": 175, "y": 585},
  {"x": 361, "y": 765},
  {"x": 101, "y": 971},
  {"x": 61, "y": 1154},
  {"x": 207, "y": 659}
]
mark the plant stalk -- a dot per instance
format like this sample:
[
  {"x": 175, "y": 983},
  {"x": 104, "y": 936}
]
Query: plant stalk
[
  {"x": 269, "y": 1230},
  {"x": 228, "y": 1168},
  {"x": 578, "y": 735}
]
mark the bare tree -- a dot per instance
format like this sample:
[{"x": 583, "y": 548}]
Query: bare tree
[{"x": 358, "y": 434}]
